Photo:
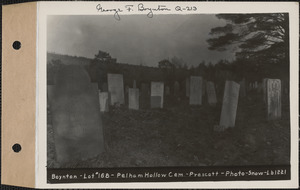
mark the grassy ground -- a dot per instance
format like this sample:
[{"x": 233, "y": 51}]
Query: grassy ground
[{"x": 183, "y": 135}]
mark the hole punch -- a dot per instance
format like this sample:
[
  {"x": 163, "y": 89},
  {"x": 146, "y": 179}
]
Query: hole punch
[
  {"x": 16, "y": 45},
  {"x": 16, "y": 147}
]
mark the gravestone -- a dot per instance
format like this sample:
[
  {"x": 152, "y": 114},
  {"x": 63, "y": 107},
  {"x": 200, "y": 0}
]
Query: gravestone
[
  {"x": 242, "y": 88},
  {"x": 104, "y": 87},
  {"x": 77, "y": 126},
  {"x": 133, "y": 98},
  {"x": 104, "y": 101},
  {"x": 274, "y": 99},
  {"x": 176, "y": 88},
  {"x": 264, "y": 89},
  {"x": 211, "y": 93},
  {"x": 157, "y": 94},
  {"x": 187, "y": 87},
  {"x": 116, "y": 88},
  {"x": 195, "y": 90},
  {"x": 134, "y": 84},
  {"x": 229, "y": 106}
]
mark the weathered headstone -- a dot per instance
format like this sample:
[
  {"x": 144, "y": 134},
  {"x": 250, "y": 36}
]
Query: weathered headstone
[
  {"x": 76, "y": 118},
  {"x": 133, "y": 96},
  {"x": 187, "y": 87},
  {"x": 274, "y": 99},
  {"x": 104, "y": 101},
  {"x": 211, "y": 93},
  {"x": 229, "y": 106},
  {"x": 176, "y": 88},
  {"x": 242, "y": 88},
  {"x": 195, "y": 90},
  {"x": 116, "y": 88},
  {"x": 157, "y": 94}
]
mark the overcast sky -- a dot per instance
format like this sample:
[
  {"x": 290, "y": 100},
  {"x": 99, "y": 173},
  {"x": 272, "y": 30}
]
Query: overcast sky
[{"x": 136, "y": 39}]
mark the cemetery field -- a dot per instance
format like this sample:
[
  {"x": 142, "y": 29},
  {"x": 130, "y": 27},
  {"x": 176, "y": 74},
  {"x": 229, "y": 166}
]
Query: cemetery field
[{"x": 183, "y": 135}]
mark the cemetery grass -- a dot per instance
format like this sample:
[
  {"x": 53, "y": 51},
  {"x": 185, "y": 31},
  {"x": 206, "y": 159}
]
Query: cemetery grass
[{"x": 183, "y": 135}]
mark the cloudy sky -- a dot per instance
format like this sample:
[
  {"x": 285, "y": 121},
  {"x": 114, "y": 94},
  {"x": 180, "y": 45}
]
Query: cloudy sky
[{"x": 136, "y": 39}]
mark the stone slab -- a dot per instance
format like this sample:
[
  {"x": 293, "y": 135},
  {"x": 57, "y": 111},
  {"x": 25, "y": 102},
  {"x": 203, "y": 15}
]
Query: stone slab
[
  {"x": 116, "y": 88},
  {"x": 195, "y": 90},
  {"x": 211, "y": 93},
  {"x": 104, "y": 101},
  {"x": 274, "y": 99},
  {"x": 157, "y": 89},
  {"x": 133, "y": 98},
  {"x": 230, "y": 103},
  {"x": 76, "y": 118}
]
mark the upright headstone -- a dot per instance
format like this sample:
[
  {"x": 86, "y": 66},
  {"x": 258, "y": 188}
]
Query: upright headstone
[
  {"x": 116, "y": 88},
  {"x": 104, "y": 101},
  {"x": 229, "y": 106},
  {"x": 157, "y": 94},
  {"x": 195, "y": 90},
  {"x": 134, "y": 84},
  {"x": 242, "y": 88},
  {"x": 264, "y": 89},
  {"x": 133, "y": 96},
  {"x": 187, "y": 87},
  {"x": 176, "y": 88},
  {"x": 76, "y": 116},
  {"x": 274, "y": 99},
  {"x": 211, "y": 93}
]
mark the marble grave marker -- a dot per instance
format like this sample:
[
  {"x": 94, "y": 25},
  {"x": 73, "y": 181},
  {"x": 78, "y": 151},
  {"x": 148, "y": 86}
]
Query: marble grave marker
[
  {"x": 116, "y": 88},
  {"x": 230, "y": 103},
  {"x": 195, "y": 90}
]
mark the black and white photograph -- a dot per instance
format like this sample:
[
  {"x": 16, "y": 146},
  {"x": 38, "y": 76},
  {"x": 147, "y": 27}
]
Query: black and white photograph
[{"x": 168, "y": 91}]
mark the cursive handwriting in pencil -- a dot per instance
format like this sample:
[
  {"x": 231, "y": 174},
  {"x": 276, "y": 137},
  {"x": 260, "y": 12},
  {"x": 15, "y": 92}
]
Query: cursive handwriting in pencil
[{"x": 116, "y": 11}]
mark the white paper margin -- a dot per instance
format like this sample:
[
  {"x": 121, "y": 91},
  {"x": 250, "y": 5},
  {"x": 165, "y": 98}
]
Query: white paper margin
[{"x": 88, "y": 8}]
